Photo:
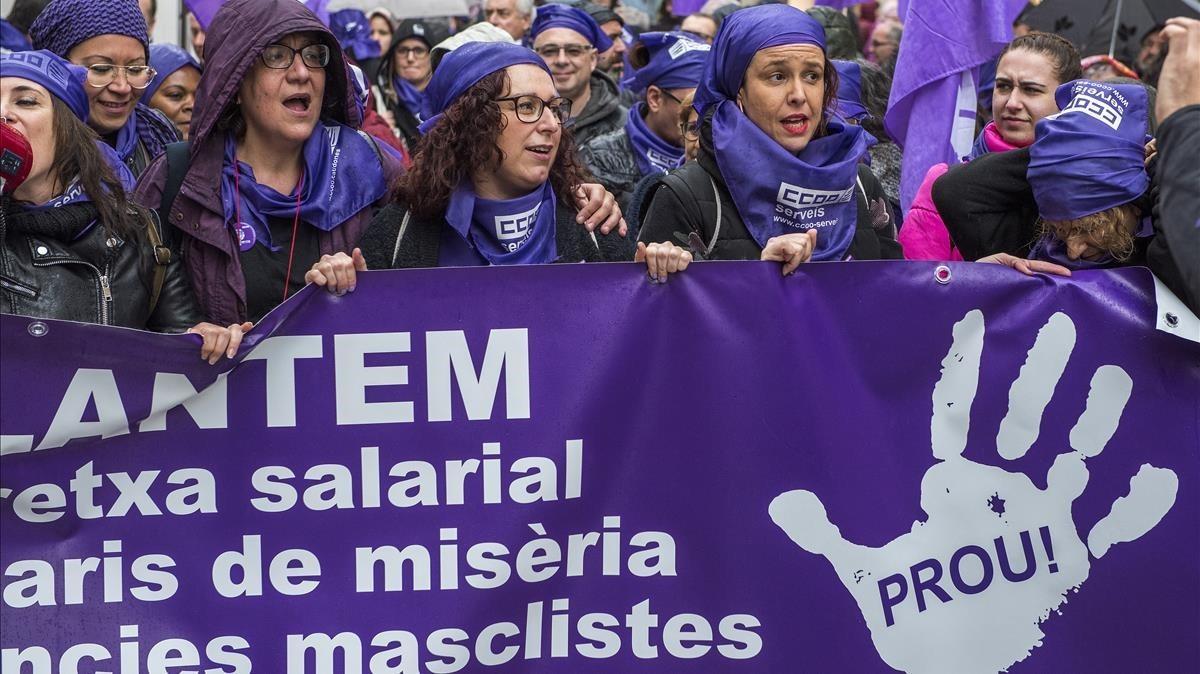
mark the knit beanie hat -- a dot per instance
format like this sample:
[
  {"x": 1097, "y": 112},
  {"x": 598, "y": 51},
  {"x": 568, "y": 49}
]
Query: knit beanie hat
[{"x": 65, "y": 23}]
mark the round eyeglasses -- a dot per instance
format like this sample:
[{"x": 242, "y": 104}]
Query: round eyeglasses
[
  {"x": 281, "y": 56},
  {"x": 529, "y": 108},
  {"x": 101, "y": 75}
]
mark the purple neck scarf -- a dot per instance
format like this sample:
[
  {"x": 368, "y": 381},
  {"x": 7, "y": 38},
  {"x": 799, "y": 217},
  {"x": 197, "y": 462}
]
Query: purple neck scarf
[
  {"x": 1090, "y": 157},
  {"x": 778, "y": 193},
  {"x": 410, "y": 97},
  {"x": 505, "y": 232},
  {"x": 342, "y": 175},
  {"x": 75, "y": 194},
  {"x": 654, "y": 155}
]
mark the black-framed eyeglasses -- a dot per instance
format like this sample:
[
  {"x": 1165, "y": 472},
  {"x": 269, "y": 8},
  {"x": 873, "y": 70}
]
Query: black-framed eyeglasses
[
  {"x": 670, "y": 95},
  {"x": 418, "y": 52},
  {"x": 529, "y": 108},
  {"x": 101, "y": 75},
  {"x": 281, "y": 56},
  {"x": 691, "y": 130},
  {"x": 574, "y": 51}
]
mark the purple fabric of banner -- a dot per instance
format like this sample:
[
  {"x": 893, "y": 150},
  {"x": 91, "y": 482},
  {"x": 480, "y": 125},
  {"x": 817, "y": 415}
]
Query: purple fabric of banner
[
  {"x": 936, "y": 49},
  {"x": 587, "y": 472}
]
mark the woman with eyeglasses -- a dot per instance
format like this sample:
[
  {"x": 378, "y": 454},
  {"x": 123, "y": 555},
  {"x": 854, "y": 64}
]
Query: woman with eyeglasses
[
  {"x": 404, "y": 73},
  {"x": 778, "y": 177},
  {"x": 110, "y": 39},
  {"x": 276, "y": 174},
  {"x": 493, "y": 179},
  {"x": 72, "y": 247}
]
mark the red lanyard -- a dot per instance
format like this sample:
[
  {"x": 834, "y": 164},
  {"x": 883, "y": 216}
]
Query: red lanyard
[{"x": 237, "y": 207}]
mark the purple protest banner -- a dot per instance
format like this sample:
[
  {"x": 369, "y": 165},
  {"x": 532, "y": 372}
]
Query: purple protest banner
[
  {"x": 571, "y": 469},
  {"x": 931, "y": 110}
]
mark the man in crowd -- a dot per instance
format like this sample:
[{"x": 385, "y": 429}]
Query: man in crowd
[
  {"x": 666, "y": 70},
  {"x": 613, "y": 26},
  {"x": 1152, "y": 45},
  {"x": 513, "y": 16},
  {"x": 570, "y": 41},
  {"x": 700, "y": 25}
]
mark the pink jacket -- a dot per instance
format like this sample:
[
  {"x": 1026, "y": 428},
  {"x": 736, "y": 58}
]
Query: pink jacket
[{"x": 924, "y": 235}]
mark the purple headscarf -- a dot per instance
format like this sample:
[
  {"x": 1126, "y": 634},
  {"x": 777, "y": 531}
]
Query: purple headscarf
[
  {"x": 1090, "y": 157},
  {"x": 676, "y": 62},
  {"x": 849, "y": 93},
  {"x": 62, "y": 79},
  {"x": 65, "y": 23},
  {"x": 166, "y": 59},
  {"x": 462, "y": 68},
  {"x": 744, "y": 34},
  {"x": 565, "y": 16},
  {"x": 352, "y": 29}
]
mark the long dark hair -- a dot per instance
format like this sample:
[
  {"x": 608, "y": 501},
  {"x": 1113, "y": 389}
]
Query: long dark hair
[
  {"x": 76, "y": 157},
  {"x": 465, "y": 139}
]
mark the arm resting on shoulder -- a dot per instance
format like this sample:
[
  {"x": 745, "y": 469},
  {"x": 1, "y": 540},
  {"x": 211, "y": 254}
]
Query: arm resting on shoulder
[{"x": 988, "y": 206}]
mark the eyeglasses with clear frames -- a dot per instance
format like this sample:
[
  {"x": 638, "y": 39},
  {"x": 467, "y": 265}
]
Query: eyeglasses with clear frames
[
  {"x": 101, "y": 75},
  {"x": 529, "y": 108},
  {"x": 281, "y": 56},
  {"x": 573, "y": 51}
]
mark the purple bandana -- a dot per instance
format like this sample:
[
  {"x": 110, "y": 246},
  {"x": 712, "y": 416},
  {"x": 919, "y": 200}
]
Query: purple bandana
[
  {"x": 342, "y": 175},
  {"x": 12, "y": 39},
  {"x": 508, "y": 232},
  {"x": 65, "y": 23},
  {"x": 1090, "y": 157},
  {"x": 352, "y": 29},
  {"x": 565, "y": 16},
  {"x": 166, "y": 59},
  {"x": 654, "y": 155},
  {"x": 849, "y": 94},
  {"x": 63, "y": 80},
  {"x": 676, "y": 62},
  {"x": 462, "y": 68},
  {"x": 411, "y": 98},
  {"x": 741, "y": 36}
]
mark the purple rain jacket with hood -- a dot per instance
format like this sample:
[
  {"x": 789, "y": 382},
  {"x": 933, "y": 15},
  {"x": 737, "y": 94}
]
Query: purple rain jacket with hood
[{"x": 236, "y": 37}]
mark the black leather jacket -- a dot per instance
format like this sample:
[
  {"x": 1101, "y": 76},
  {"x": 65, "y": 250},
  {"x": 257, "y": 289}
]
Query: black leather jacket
[{"x": 93, "y": 279}]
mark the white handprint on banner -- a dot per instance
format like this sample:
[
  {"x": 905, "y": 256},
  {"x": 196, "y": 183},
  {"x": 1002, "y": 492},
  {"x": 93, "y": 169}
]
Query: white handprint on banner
[{"x": 967, "y": 589}]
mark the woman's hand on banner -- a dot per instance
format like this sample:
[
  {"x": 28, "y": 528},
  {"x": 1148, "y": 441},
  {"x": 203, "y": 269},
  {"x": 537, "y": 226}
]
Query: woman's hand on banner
[
  {"x": 219, "y": 341},
  {"x": 598, "y": 208},
  {"x": 1027, "y": 267},
  {"x": 662, "y": 259},
  {"x": 790, "y": 249},
  {"x": 337, "y": 273}
]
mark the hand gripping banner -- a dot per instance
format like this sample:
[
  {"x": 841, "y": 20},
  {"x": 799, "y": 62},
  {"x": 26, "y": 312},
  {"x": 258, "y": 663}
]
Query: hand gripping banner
[{"x": 570, "y": 469}]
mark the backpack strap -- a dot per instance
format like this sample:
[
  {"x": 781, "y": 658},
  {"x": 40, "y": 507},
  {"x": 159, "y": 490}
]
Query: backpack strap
[
  {"x": 162, "y": 258},
  {"x": 679, "y": 183},
  {"x": 177, "y": 160}
]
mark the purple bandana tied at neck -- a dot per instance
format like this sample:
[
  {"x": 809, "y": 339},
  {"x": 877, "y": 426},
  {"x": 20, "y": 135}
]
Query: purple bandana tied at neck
[
  {"x": 556, "y": 15},
  {"x": 462, "y": 69},
  {"x": 654, "y": 155},
  {"x": 676, "y": 62},
  {"x": 507, "y": 232},
  {"x": 1091, "y": 156},
  {"x": 342, "y": 175},
  {"x": 410, "y": 97}
]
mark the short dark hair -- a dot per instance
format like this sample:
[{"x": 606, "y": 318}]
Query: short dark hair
[
  {"x": 1058, "y": 49},
  {"x": 25, "y": 12}
]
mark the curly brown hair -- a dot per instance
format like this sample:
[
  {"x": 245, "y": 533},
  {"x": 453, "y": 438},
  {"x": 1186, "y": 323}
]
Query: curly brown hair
[
  {"x": 465, "y": 139},
  {"x": 1110, "y": 230}
]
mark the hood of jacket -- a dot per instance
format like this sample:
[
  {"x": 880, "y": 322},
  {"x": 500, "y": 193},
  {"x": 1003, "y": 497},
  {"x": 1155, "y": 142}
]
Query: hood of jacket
[
  {"x": 235, "y": 38},
  {"x": 605, "y": 99}
]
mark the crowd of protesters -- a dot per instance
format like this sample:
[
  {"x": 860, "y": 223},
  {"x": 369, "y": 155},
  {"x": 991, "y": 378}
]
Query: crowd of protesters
[{"x": 195, "y": 188}]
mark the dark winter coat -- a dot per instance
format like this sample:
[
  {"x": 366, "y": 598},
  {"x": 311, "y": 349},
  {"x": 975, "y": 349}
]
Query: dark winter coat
[
  {"x": 602, "y": 114},
  {"x": 610, "y": 158},
  {"x": 210, "y": 248},
  {"x": 1174, "y": 254}
]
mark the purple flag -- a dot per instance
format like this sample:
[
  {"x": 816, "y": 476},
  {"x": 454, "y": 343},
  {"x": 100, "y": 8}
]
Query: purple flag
[
  {"x": 931, "y": 113},
  {"x": 205, "y": 10},
  {"x": 566, "y": 469}
]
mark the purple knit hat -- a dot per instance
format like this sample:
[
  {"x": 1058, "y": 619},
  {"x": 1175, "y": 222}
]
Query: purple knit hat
[{"x": 65, "y": 23}]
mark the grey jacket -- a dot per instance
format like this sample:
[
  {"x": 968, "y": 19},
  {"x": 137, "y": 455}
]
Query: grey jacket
[
  {"x": 610, "y": 158},
  {"x": 602, "y": 114}
]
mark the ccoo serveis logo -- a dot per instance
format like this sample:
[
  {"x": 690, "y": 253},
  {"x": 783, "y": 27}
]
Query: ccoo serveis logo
[
  {"x": 516, "y": 226},
  {"x": 794, "y": 196}
]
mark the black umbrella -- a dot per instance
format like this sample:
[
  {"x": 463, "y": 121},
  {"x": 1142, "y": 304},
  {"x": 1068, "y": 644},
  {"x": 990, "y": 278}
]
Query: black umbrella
[{"x": 1113, "y": 27}]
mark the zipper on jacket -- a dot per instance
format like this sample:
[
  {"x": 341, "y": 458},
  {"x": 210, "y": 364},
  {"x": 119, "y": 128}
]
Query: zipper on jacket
[{"x": 105, "y": 287}]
